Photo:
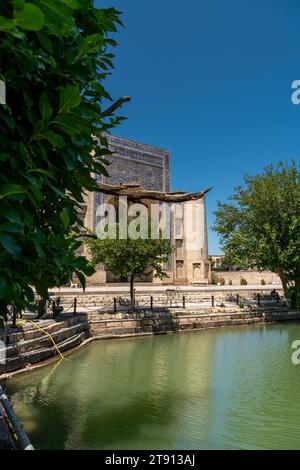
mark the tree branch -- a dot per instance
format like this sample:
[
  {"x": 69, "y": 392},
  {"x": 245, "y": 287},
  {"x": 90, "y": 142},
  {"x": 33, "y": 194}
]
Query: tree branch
[{"x": 117, "y": 104}]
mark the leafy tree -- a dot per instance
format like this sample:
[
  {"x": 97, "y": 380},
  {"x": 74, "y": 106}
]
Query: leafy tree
[
  {"x": 131, "y": 258},
  {"x": 225, "y": 264},
  {"x": 54, "y": 57},
  {"x": 261, "y": 227}
]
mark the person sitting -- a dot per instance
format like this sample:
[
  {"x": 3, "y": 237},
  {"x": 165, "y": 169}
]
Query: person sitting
[{"x": 275, "y": 295}]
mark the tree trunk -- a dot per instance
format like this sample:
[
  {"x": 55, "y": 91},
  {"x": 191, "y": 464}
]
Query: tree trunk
[
  {"x": 291, "y": 293},
  {"x": 297, "y": 279},
  {"x": 131, "y": 292},
  {"x": 284, "y": 284}
]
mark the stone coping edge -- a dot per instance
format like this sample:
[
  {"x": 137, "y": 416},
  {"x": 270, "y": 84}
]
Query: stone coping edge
[{"x": 52, "y": 359}]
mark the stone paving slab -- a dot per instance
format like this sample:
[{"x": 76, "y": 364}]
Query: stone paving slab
[{"x": 151, "y": 288}]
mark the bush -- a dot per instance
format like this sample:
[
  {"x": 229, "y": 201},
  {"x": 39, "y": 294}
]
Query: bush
[
  {"x": 54, "y": 58},
  {"x": 213, "y": 278},
  {"x": 241, "y": 305},
  {"x": 230, "y": 282},
  {"x": 263, "y": 282},
  {"x": 222, "y": 281},
  {"x": 243, "y": 282},
  {"x": 294, "y": 298}
]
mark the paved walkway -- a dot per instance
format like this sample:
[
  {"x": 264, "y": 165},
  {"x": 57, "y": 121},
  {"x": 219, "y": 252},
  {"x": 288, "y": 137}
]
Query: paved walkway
[
  {"x": 152, "y": 288},
  {"x": 189, "y": 306}
]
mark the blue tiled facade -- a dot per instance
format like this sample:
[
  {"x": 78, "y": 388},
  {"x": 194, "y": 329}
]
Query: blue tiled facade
[{"x": 134, "y": 162}]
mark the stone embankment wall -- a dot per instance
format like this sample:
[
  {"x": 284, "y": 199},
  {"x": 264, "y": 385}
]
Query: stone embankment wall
[
  {"x": 252, "y": 277},
  {"x": 27, "y": 345},
  {"x": 160, "y": 298},
  {"x": 165, "y": 321}
]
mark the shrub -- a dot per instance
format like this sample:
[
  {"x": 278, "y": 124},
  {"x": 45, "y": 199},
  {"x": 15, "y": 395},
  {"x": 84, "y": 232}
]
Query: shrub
[
  {"x": 263, "y": 282},
  {"x": 55, "y": 56},
  {"x": 213, "y": 278},
  {"x": 243, "y": 282},
  {"x": 230, "y": 282}
]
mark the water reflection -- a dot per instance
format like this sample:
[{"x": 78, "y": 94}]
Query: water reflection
[{"x": 228, "y": 388}]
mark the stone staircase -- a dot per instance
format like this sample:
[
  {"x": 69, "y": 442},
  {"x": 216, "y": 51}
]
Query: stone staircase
[{"x": 28, "y": 345}]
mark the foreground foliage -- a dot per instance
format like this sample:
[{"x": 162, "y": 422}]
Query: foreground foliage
[{"x": 54, "y": 57}]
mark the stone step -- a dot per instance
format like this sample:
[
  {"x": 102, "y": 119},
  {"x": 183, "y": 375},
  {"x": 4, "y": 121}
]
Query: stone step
[
  {"x": 43, "y": 340},
  {"x": 29, "y": 331},
  {"x": 38, "y": 355}
]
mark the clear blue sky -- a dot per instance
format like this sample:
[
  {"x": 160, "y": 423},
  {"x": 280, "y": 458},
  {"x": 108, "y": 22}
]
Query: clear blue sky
[{"x": 210, "y": 80}]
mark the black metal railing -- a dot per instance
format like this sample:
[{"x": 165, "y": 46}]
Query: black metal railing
[
  {"x": 14, "y": 426},
  {"x": 174, "y": 299}
]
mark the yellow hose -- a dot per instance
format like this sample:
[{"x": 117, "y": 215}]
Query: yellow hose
[{"x": 48, "y": 334}]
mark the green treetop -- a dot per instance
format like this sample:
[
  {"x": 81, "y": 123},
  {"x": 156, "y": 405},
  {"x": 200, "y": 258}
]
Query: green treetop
[
  {"x": 54, "y": 57},
  {"x": 261, "y": 226},
  {"x": 131, "y": 258}
]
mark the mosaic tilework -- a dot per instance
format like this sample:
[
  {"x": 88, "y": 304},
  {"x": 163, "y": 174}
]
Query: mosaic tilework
[
  {"x": 134, "y": 162},
  {"x": 136, "y": 158}
]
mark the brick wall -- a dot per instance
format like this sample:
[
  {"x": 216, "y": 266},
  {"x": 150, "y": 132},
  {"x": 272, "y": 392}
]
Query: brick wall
[{"x": 252, "y": 277}]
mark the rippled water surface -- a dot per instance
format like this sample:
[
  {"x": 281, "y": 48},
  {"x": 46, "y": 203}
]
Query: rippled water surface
[{"x": 233, "y": 388}]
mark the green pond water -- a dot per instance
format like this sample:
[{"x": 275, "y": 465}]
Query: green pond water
[{"x": 233, "y": 388}]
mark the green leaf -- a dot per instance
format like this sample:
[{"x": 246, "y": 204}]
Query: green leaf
[
  {"x": 12, "y": 228},
  {"x": 11, "y": 189},
  {"x": 4, "y": 286},
  {"x": 72, "y": 4},
  {"x": 69, "y": 98},
  {"x": 67, "y": 124},
  {"x": 45, "y": 41},
  {"x": 6, "y": 24},
  {"x": 81, "y": 278},
  {"x": 55, "y": 139},
  {"x": 64, "y": 216},
  {"x": 18, "y": 4},
  {"x": 4, "y": 157},
  {"x": 41, "y": 171},
  {"x": 58, "y": 17},
  {"x": 89, "y": 44},
  {"x": 10, "y": 213},
  {"x": 30, "y": 18},
  {"x": 10, "y": 244},
  {"x": 45, "y": 108}
]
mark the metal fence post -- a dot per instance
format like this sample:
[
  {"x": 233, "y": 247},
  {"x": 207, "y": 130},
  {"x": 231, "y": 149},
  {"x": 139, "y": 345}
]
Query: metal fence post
[
  {"x": 151, "y": 302},
  {"x": 212, "y": 301},
  {"x": 14, "y": 422},
  {"x": 115, "y": 305},
  {"x": 237, "y": 299},
  {"x": 14, "y": 319},
  {"x": 183, "y": 301},
  {"x": 75, "y": 305},
  {"x": 258, "y": 299},
  {"x": 53, "y": 308}
]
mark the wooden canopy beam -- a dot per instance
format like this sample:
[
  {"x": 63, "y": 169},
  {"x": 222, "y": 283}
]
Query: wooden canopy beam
[{"x": 135, "y": 193}]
